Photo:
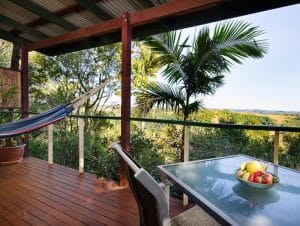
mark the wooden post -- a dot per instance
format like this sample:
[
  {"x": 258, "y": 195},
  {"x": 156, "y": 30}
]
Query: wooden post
[
  {"x": 25, "y": 93},
  {"x": 186, "y": 155},
  {"x": 50, "y": 145},
  {"x": 186, "y": 144},
  {"x": 276, "y": 148},
  {"x": 125, "y": 92},
  {"x": 166, "y": 188},
  {"x": 81, "y": 145}
]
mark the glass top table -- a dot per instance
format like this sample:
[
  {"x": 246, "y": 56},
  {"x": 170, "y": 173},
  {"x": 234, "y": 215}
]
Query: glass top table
[{"x": 212, "y": 185}]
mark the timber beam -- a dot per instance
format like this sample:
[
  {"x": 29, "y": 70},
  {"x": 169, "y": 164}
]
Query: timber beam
[{"x": 166, "y": 17}]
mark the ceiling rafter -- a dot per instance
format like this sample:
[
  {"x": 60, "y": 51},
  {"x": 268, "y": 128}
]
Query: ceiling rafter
[
  {"x": 95, "y": 9},
  {"x": 143, "y": 3},
  {"x": 88, "y": 32},
  {"x": 45, "y": 14},
  {"x": 41, "y": 21},
  {"x": 75, "y": 8},
  {"x": 13, "y": 38},
  {"x": 21, "y": 27},
  {"x": 147, "y": 15}
]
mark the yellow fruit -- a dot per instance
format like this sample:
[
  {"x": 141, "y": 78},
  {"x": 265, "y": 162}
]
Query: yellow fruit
[
  {"x": 265, "y": 167},
  {"x": 246, "y": 175},
  {"x": 243, "y": 166},
  {"x": 253, "y": 167}
]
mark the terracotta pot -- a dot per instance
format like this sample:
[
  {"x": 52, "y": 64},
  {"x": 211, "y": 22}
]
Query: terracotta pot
[{"x": 11, "y": 155}]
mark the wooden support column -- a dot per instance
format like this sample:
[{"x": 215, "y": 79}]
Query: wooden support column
[
  {"x": 25, "y": 92},
  {"x": 125, "y": 92}
]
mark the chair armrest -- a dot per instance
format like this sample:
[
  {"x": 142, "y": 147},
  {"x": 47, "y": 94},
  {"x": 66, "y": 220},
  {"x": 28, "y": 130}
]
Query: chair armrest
[{"x": 162, "y": 185}]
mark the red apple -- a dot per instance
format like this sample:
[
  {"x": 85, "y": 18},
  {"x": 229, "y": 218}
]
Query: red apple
[
  {"x": 258, "y": 179},
  {"x": 258, "y": 173},
  {"x": 268, "y": 179},
  {"x": 251, "y": 177}
]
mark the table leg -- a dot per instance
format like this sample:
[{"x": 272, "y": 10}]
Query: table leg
[
  {"x": 185, "y": 200},
  {"x": 166, "y": 187}
]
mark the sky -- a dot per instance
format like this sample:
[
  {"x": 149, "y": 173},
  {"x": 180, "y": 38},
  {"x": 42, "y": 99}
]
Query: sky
[{"x": 269, "y": 83}]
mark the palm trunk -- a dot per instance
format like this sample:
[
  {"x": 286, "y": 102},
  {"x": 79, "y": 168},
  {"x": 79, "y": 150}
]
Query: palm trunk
[{"x": 185, "y": 142}]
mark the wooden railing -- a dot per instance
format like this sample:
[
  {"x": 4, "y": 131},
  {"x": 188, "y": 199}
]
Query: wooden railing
[{"x": 188, "y": 124}]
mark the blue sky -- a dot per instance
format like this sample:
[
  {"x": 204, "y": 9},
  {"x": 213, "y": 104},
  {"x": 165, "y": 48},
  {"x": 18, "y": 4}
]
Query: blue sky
[{"x": 271, "y": 83}]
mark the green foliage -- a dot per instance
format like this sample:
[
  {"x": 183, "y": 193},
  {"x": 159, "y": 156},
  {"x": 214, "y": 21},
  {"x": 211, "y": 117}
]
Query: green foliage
[
  {"x": 146, "y": 153},
  {"x": 38, "y": 146},
  {"x": 7, "y": 116},
  {"x": 100, "y": 159},
  {"x": 5, "y": 53},
  {"x": 60, "y": 79},
  {"x": 199, "y": 69},
  {"x": 144, "y": 65}
]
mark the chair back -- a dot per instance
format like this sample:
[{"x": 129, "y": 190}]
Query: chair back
[{"x": 150, "y": 198}]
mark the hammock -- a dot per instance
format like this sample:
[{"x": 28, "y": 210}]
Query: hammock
[{"x": 44, "y": 119}]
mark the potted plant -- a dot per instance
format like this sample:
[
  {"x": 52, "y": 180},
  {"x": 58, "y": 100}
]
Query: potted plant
[{"x": 11, "y": 150}]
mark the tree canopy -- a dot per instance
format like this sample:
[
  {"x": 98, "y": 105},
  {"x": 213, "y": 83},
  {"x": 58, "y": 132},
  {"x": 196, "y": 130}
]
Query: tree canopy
[{"x": 196, "y": 70}]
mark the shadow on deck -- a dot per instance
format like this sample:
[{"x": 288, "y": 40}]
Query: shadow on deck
[{"x": 32, "y": 193}]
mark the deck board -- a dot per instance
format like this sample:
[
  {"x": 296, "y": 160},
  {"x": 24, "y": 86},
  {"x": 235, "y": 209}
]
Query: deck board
[{"x": 32, "y": 193}]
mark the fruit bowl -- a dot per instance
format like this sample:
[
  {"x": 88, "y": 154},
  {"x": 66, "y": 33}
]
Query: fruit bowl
[{"x": 259, "y": 186}]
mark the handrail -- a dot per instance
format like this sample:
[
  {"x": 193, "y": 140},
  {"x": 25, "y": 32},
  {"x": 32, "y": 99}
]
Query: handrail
[
  {"x": 187, "y": 123},
  {"x": 200, "y": 124}
]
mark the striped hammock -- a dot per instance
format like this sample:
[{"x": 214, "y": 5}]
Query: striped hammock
[{"x": 55, "y": 114}]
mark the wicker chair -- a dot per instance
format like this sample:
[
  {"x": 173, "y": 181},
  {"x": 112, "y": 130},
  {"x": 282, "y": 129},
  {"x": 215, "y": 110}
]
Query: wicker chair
[{"x": 151, "y": 200}]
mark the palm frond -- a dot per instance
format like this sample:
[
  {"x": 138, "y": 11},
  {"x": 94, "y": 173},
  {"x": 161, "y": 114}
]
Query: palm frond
[
  {"x": 170, "y": 49},
  {"x": 236, "y": 40},
  {"x": 194, "y": 107},
  {"x": 162, "y": 96}
]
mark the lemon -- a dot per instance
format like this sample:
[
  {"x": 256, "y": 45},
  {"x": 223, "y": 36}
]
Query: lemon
[{"x": 253, "y": 167}]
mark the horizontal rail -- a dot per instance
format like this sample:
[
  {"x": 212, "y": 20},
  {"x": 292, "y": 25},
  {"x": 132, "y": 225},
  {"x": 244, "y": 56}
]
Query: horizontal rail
[
  {"x": 190, "y": 123},
  {"x": 199, "y": 124}
]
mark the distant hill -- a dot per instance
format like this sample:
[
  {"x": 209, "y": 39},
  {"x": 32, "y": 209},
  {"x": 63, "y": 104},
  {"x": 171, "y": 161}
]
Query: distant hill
[{"x": 266, "y": 112}]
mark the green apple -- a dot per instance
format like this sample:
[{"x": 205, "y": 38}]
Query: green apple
[{"x": 246, "y": 176}]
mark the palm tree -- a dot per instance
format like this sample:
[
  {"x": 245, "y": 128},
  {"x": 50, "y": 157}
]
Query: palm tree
[{"x": 194, "y": 71}]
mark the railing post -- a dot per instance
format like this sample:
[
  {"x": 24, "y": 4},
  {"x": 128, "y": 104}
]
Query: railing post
[
  {"x": 81, "y": 145},
  {"x": 50, "y": 145},
  {"x": 186, "y": 155},
  {"x": 276, "y": 148},
  {"x": 186, "y": 144}
]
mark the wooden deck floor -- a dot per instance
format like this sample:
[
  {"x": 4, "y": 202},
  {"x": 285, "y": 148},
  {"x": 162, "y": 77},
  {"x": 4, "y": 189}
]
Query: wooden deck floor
[{"x": 31, "y": 193}]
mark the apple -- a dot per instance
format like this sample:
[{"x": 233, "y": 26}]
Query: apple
[
  {"x": 246, "y": 175},
  {"x": 258, "y": 173},
  {"x": 268, "y": 178},
  {"x": 258, "y": 179},
  {"x": 251, "y": 177}
]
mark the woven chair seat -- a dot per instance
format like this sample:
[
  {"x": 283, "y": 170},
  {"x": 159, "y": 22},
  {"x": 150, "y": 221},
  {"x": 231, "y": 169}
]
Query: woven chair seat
[{"x": 194, "y": 216}]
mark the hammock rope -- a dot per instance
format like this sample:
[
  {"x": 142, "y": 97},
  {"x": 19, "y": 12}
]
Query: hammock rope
[{"x": 46, "y": 118}]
